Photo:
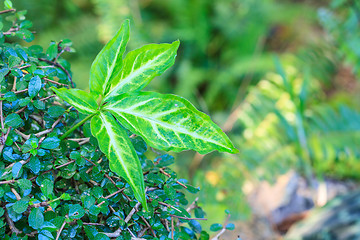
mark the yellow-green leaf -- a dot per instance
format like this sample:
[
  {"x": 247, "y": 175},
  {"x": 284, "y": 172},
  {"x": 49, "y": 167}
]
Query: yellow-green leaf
[
  {"x": 141, "y": 66},
  {"x": 84, "y": 102},
  {"x": 108, "y": 63},
  {"x": 116, "y": 145},
  {"x": 168, "y": 122}
]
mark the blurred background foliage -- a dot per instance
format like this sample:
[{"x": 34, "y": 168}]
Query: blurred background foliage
[{"x": 279, "y": 76}]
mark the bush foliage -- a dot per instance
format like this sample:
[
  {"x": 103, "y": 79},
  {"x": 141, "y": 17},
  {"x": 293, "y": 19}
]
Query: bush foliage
[{"x": 54, "y": 188}]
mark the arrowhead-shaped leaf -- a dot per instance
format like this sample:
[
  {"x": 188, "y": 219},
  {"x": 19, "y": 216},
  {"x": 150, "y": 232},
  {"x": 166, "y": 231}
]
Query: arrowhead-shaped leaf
[
  {"x": 169, "y": 122},
  {"x": 84, "y": 102},
  {"x": 108, "y": 62},
  {"x": 115, "y": 143},
  {"x": 141, "y": 66}
]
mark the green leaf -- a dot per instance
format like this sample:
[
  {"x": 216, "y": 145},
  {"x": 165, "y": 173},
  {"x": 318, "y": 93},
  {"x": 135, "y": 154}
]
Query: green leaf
[
  {"x": 16, "y": 170},
  {"x": 88, "y": 202},
  {"x": 170, "y": 191},
  {"x": 97, "y": 192},
  {"x": 204, "y": 236},
  {"x": 35, "y": 165},
  {"x": 164, "y": 160},
  {"x": 34, "y": 86},
  {"x": 10, "y": 96},
  {"x": 8, "y": 4},
  {"x": 75, "y": 155},
  {"x": 14, "y": 120},
  {"x": 36, "y": 218},
  {"x": 230, "y": 226},
  {"x": 56, "y": 111},
  {"x": 52, "y": 51},
  {"x": 195, "y": 226},
  {"x": 24, "y": 101},
  {"x": 215, "y": 227},
  {"x": 47, "y": 187},
  {"x": 94, "y": 210},
  {"x": 20, "y": 206},
  {"x": 84, "y": 102},
  {"x": 101, "y": 236},
  {"x": 76, "y": 211},
  {"x": 26, "y": 24},
  {"x": 141, "y": 66},
  {"x": 65, "y": 196},
  {"x": 24, "y": 184},
  {"x": 108, "y": 62},
  {"x": 169, "y": 122},
  {"x": 13, "y": 61},
  {"x": 39, "y": 104},
  {"x": 49, "y": 227},
  {"x": 25, "y": 34},
  {"x": 50, "y": 143},
  {"x": 115, "y": 143}
]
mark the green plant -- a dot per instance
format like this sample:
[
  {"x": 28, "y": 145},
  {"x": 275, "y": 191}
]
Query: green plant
[
  {"x": 165, "y": 122},
  {"x": 288, "y": 123},
  {"x": 55, "y": 187},
  {"x": 341, "y": 21}
]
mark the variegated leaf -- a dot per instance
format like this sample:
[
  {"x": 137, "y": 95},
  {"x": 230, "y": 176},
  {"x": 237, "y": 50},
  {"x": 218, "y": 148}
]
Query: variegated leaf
[
  {"x": 108, "y": 63},
  {"x": 168, "y": 122},
  {"x": 115, "y": 143},
  {"x": 84, "y": 102},
  {"x": 141, "y": 66}
]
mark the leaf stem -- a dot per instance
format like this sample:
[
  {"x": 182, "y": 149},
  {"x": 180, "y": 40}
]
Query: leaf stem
[{"x": 73, "y": 128}]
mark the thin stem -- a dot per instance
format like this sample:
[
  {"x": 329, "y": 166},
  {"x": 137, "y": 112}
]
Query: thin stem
[
  {"x": 76, "y": 126},
  {"x": 3, "y": 140},
  {"x": 223, "y": 229},
  {"x": 14, "y": 85},
  {"x": 54, "y": 82},
  {"x": 148, "y": 225},
  {"x": 44, "y": 204},
  {"x": 60, "y": 66},
  {"x": 127, "y": 219},
  {"x": 168, "y": 175},
  {"x": 1, "y": 116},
  {"x": 12, "y": 225},
  {"x": 61, "y": 228},
  {"x": 186, "y": 218},
  {"x": 7, "y": 11},
  {"x": 172, "y": 228},
  {"x": 7, "y": 182}
]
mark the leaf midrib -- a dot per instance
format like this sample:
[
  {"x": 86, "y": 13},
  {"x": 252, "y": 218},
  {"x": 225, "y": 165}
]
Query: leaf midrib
[
  {"x": 164, "y": 124},
  {"x": 112, "y": 66},
  {"x": 132, "y": 75},
  {"x": 112, "y": 139}
]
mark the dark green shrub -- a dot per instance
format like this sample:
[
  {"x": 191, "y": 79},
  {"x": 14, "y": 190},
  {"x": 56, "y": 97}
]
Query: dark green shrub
[{"x": 55, "y": 183}]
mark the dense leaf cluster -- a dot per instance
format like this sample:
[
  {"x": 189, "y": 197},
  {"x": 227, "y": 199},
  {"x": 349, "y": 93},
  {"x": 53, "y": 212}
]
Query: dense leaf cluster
[
  {"x": 63, "y": 189},
  {"x": 165, "y": 122}
]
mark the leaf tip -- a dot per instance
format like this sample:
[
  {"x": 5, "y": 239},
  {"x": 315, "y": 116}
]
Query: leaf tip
[
  {"x": 234, "y": 150},
  {"x": 54, "y": 89},
  {"x": 126, "y": 23},
  {"x": 145, "y": 206},
  {"x": 176, "y": 44}
]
